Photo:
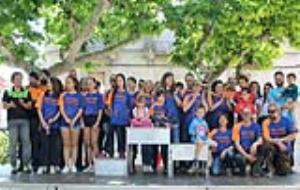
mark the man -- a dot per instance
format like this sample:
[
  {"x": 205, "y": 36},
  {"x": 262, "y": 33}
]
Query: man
[
  {"x": 276, "y": 94},
  {"x": 17, "y": 101},
  {"x": 246, "y": 136},
  {"x": 36, "y": 90},
  {"x": 278, "y": 135},
  {"x": 189, "y": 81}
]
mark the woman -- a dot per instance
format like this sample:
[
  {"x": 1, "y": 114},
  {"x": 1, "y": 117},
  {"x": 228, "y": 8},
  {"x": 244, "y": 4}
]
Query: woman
[
  {"x": 48, "y": 112},
  {"x": 218, "y": 104},
  {"x": 172, "y": 105},
  {"x": 191, "y": 102},
  {"x": 92, "y": 114},
  {"x": 255, "y": 89},
  {"x": 222, "y": 154},
  {"x": 120, "y": 116},
  {"x": 262, "y": 103},
  {"x": 71, "y": 105}
]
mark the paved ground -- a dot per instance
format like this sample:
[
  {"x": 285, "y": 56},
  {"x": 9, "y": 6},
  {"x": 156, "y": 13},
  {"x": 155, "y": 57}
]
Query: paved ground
[
  {"x": 90, "y": 182},
  {"x": 153, "y": 180}
]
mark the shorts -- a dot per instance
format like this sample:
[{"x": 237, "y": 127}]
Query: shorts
[
  {"x": 90, "y": 120},
  {"x": 77, "y": 127}
]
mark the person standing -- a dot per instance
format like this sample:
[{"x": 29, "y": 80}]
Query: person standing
[
  {"x": 71, "y": 104},
  {"x": 18, "y": 102},
  {"x": 48, "y": 111},
  {"x": 120, "y": 107},
  {"x": 36, "y": 90},
  {"x": 92, "y": 115}
]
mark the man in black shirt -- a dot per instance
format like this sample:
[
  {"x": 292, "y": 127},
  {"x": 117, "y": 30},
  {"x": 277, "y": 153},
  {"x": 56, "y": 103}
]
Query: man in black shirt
[{"x": 17, "y": 101}]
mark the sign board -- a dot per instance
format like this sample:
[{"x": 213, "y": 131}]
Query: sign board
[{"x": 148, "y": 136}]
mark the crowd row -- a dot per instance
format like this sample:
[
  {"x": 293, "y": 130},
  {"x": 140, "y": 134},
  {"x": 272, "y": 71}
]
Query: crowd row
[{"x": 63, "y": 128}]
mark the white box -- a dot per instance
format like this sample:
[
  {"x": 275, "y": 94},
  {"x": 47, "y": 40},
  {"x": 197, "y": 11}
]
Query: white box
[{"x": 111, "y": 167}]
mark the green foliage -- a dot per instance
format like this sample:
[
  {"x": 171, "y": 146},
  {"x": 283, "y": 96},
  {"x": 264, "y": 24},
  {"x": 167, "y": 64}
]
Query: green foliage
[
  {"x": 210, "y": 34},
  {"x": 220, "y": 33},
  {"x": 3, "y": 148}
]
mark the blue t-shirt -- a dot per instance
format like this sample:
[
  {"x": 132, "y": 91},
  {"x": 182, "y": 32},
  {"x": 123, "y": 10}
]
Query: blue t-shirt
[
  {"x": 276, "y": 96},
  {"x": 49, "y": 108},
  {"x": 198, "y": 129},
  {"x": 121, "y": 108},
  {"x": 223, "y": 139},
  {"x": 172, "y": 110},
  {"x": 93, "y": 103},
  {"x": 73, "y": 103},
  {"x": 247, "y": 135},
  {"x": 281, "y": 129}
]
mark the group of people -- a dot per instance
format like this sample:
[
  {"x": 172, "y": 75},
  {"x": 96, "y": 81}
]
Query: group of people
[{"x": 57, "y": 128}]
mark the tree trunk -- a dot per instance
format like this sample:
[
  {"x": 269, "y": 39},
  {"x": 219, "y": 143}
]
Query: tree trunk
[{"x": 86, "y": 32}]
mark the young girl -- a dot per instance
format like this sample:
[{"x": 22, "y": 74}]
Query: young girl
[
  {"x": 48, "y": 112},
  {"x": 92, "y": 114},
  {"x": 198, "y": 130},
  {"x": 71, "y": 104},
  {"x": 120, "y": 117},
  {"x": 141, "y": 116},
  {"x": 142, "y": 119},
  {"x": 222, "y": 153}
]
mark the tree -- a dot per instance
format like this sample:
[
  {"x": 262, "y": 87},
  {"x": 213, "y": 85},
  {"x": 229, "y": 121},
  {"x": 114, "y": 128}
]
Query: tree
[
  {"x": 71, "y": 24},
  {"x": 212, "y": 35}
]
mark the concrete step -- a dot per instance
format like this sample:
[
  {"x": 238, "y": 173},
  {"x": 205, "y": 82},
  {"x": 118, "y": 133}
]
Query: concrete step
[{"x": 111, "y": 167}]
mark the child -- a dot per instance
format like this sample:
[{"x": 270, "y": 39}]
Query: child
[
  {"x": 158, "y": 110},
  {"x": 291, "y": 91},
  {"x": 142, "y": 119},
  {"x": 48, "y": 112},
  {"x": 141, "y": 116},
  {"x": 71, "y": 104},
  {"x": 158, "y": 115},
  {"x": 222, "y": 154},
  {"x": 198, "y": 131},
  {"x": 92, "y": 115},
  {"x": 245, "y": 100}
]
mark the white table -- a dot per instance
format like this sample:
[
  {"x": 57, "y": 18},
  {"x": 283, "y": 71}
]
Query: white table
[{"x": 146, "y": 136}]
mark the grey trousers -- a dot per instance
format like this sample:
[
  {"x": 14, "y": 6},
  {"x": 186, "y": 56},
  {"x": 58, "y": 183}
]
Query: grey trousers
[{"x": 19, "y": 129}]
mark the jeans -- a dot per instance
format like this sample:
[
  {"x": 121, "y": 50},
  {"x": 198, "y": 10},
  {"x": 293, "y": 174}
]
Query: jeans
[
  {"x": 147, "y": 155},
  {"x": 219, "y": 166},
  {"x": 175, "y": 133},
  {"x": 239, "y": 162},
  {"x": 19, "y": 128},
  {"x": 51, "y": 147}
]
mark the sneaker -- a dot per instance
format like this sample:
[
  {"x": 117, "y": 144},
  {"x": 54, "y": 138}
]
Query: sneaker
[
  {"x": 41, "y": 170},
  {"x": 194, "y": 168},
  {"x": 52, "y": 170},
  {"x": 65, "y": 170},
  {"x": 14, "y": 171},
  {"x": 73, "y": 169},
  {"x": 88, "y": 169},
  {"x": 145, "y": 169},
  {"x": 57, "y": 170},
  {"x": 27, "y": 169}
]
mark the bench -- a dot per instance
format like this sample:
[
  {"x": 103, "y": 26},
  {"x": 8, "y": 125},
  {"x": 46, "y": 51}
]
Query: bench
[{"x": 186, "y": 152}]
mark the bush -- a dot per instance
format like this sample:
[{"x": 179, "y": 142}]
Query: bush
[{"x": 3, "y": 148}]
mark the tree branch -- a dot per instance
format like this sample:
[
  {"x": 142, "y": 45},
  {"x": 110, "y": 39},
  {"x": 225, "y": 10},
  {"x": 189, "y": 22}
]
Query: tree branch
[
  {"x": 87, "y": 30},
  {"x": 88, "y": 57}
]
